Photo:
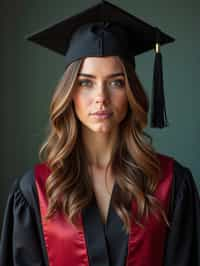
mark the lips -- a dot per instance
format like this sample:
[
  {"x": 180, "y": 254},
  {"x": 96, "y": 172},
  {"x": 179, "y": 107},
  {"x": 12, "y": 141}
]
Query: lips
[{"x": 102, "y": 113}]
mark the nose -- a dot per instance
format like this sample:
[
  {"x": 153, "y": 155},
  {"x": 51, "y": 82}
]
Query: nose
[
  {"x": 102, "y": 95},
  {"x": 101, "y": 100}
]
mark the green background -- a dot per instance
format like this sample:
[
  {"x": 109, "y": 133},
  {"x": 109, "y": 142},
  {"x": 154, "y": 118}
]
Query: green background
[{"x": 29, "y": 74}]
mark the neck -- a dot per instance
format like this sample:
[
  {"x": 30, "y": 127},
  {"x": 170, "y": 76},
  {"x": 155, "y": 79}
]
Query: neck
[{"x": 99, "y": 147}]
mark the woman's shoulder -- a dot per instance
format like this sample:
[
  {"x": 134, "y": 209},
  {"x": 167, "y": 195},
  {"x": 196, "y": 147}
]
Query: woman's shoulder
[
  {"x": 178, "y": 166},
  {"x": 182, "y": 174},
  {"x": 26, "y": 183},
  {"x": 23, "y": 187},
  {"x": 21, "y": 191}
]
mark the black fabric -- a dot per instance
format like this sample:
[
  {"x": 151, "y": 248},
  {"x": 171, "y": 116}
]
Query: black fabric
[
  {"x": 112, "y": 239},
  {"x": 183, "y": 239},
  {"x": 76, "y": 37},
  {"x": 22, "y": 242},
  {"x": 97, "y": 247},
  {"x": 158, "y": 110}
]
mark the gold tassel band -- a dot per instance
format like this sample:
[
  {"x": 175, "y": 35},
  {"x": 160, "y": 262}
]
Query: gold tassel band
[{"x": 157, "y": 47}]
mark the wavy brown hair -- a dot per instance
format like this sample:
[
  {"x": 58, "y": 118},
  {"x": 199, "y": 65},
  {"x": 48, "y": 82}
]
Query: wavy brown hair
[{"x": 134, "y": 162}]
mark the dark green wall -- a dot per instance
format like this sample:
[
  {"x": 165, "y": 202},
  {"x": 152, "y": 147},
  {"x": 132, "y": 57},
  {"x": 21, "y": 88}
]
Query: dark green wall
[{"x": 29, "y": 73}]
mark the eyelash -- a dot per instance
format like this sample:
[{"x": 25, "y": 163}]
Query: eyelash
[{"x": 80, "y": 82}]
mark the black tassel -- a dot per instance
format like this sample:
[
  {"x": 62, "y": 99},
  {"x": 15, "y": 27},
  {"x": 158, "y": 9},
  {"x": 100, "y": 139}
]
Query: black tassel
[{"x": 158, "y": 110}]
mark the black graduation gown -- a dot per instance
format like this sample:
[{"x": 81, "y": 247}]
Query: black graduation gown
[{"x": 22, "y": 242}]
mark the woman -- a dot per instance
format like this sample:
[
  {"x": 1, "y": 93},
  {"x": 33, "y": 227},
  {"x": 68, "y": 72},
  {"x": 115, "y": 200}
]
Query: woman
[{"x": 101, "y": 195}]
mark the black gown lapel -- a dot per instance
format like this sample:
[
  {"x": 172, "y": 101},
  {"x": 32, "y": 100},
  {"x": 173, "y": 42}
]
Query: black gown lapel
[
  {"x": 106, "y": 244},
  {"x": 94, "y": 234},
  {"x": 117, "y": 238}
]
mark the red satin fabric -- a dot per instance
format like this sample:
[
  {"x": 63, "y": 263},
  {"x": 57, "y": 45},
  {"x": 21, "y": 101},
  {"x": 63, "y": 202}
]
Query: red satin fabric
[
  {"x": 66, "y": 245},
  {"x": 146, "y": 246}
]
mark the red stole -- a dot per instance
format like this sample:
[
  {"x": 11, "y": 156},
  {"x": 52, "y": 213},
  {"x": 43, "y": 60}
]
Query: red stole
[{"x": 66, "y": 245}]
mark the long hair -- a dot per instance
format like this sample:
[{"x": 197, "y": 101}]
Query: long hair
[{"x": 134, "y": 161}]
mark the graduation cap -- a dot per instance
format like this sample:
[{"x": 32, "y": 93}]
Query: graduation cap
[{"x": 105, "y": 30}]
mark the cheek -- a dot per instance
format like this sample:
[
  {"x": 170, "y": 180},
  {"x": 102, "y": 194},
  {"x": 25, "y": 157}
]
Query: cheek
[
  {"x": 81, "y": 102},
  {"x": 121, "y": 103}
]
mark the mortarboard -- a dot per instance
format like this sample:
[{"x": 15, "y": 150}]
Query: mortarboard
[{"x": 105, "y": 29}]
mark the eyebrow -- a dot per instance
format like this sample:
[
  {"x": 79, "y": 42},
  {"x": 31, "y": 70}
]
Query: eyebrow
[{"x": 109, "y": 76}]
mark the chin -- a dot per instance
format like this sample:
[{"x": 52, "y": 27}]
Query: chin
[
  {"x": 100, "y": 127},
  {"x": 103, "y": 128}
]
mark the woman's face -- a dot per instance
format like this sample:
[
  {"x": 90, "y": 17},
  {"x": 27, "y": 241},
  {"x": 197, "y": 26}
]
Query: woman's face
[{"x": 100, "y": 88}]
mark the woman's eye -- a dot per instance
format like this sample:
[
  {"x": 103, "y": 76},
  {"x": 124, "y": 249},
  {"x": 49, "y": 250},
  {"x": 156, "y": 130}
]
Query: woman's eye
[
  {"x": 117, "y": 82},
  {"x": 85, "y": 83}
]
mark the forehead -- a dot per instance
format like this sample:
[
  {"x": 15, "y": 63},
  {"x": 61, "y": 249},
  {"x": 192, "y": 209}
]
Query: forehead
[{"x": 101, "y": 65}]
